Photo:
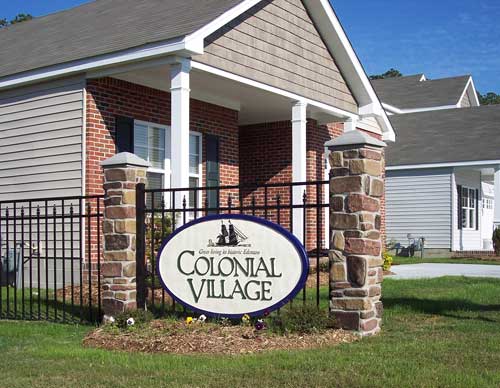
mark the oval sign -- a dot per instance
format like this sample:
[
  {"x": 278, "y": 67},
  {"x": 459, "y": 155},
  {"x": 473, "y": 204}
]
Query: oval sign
[{"x": 231, "y": 265}]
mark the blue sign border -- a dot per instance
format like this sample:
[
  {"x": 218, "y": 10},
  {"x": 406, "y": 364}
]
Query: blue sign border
[{"x": 278, "y": 228}]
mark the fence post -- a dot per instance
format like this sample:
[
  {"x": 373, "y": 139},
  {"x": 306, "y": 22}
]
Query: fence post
[
  {"x": 356, "y": 188},
  {"x": 122, "y": 173},
  {"x": 141, "y": 245}
]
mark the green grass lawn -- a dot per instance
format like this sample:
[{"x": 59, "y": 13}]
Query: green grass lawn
[
  {"x": 417, "y": 260},
  {"x": 439, "y": 332}
]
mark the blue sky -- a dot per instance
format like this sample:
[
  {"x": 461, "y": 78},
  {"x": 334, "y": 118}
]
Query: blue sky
[{"x": 441, "y": 38}]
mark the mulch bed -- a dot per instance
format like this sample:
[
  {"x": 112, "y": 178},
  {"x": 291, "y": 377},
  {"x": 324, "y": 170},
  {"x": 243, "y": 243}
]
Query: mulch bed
[{"x": 176, "y": 337}]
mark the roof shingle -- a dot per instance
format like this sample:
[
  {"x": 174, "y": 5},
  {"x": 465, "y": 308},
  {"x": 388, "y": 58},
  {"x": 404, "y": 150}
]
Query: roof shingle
[
  {"x": 101, "y": 27},
  {"x": 445, "y": 136},
  {"x": 410, "y": 93}
]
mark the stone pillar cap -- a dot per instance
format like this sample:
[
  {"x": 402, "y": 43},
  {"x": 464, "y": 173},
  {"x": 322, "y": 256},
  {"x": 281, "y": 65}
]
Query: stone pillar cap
[
  {"x": 125, "y": 159},
  {"x": 355, "y": 139}
]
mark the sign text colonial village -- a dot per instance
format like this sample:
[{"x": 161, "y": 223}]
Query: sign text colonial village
[{"x": 247, "y": 267}]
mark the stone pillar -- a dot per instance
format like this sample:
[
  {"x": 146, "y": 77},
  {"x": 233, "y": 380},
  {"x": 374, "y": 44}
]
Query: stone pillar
[
  {"x": 356, "y": 188},
  {"x": 122, "y": 172}
]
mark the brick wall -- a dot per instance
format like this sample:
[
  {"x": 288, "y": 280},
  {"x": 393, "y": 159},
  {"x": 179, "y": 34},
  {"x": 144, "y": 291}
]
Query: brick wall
[{"x": 109, "y": 97}]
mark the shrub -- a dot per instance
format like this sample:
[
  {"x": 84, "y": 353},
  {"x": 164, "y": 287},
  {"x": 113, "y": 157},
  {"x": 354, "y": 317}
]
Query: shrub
[
  {"x": 303, "y": 320},
  {"x": 496, "y": 241},
  {"x": 140, "y": 318},
  {"x": 387, "y": 261}
]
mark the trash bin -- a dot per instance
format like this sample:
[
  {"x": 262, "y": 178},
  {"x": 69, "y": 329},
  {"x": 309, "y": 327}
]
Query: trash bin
[{"x": 10, "y": 264}]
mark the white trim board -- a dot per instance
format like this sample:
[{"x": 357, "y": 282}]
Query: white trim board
[
  {"x": 100, "y": 62},
  {"x": 393, "y": 109},
  {"x": 479, "y": 163}
]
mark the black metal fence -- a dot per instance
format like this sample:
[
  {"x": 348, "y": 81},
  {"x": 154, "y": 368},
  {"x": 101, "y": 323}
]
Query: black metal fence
[
  {"x": 160, "y": 212},
  {"x": 50, "y": 251}
]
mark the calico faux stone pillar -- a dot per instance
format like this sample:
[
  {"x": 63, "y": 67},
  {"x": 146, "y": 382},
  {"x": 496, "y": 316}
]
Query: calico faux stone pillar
[
  {"x": 356, "y": 188},
  {"x": 122, "y": 173}
]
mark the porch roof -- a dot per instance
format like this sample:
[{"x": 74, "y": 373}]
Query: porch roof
[
  {"x": 102, "y": 27},
  {"x": 446, "y": 136}
]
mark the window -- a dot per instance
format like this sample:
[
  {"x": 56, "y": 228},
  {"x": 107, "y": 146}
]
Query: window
[
  {"x": 152, "y": 143},
  {"x": 488, "y": 203},
  {"x": 469, "y": 203},
  {"x": 194, "y": 167}
]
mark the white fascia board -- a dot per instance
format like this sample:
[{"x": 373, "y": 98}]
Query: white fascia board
[
  {"x": 292, "y": 96},
  {"x": 432, "y": 108},
  {"x": 175, "y": 46},
  {"x": 200, "y": 35},
  {"x": 479, "y": 163},
  {"x": 392, "y": 109},
  {"x": 474, "y": 92}
]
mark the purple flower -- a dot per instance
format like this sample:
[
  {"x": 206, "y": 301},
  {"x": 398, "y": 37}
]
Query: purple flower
[{"x": 260, "y": 325}]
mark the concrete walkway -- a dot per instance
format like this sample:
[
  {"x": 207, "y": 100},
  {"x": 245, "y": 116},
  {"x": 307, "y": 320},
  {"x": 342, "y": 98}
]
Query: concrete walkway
[{"x": 428, "y": 270}]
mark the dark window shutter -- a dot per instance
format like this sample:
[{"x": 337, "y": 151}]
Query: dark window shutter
[
  {"x": 477, "y": 209},
  {"x": 459, "y": 196},
  {"x": 124, "y": 134},
  {"x": 213, "y": 170}
]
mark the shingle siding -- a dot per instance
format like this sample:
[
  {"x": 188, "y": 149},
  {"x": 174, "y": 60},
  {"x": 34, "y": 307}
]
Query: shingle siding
[
  {"x": 419, "y": 202},
  {"x": 276, "y": 43},
  {"x": 41, "y": 140}
]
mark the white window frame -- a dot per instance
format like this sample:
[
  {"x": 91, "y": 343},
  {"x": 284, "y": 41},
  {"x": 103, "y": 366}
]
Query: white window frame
[
  {"x": 167, "y": 170},
  {"x": 467, "y": 209}
]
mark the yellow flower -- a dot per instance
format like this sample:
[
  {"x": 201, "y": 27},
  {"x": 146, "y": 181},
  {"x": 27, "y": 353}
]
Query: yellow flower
[
  {"x": 189, "y": 320},
  {"x": 245, "y": 318}
]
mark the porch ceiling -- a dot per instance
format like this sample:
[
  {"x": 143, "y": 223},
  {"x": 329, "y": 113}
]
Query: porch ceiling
[{"x": 254, "y": 105}]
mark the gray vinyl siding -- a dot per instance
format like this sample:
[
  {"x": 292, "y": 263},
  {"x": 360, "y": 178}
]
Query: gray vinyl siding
[
  {"x": 41, "y": 140},
  {"x": 277, "y": 44},
  {"x": 419, "y": 202}
]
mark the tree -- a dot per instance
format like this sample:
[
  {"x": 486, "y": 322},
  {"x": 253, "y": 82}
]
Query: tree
[
  {"x": 22, "y": 17},
  {"x": 392, "y": 73},
  {"x": 489, "y": 98}
]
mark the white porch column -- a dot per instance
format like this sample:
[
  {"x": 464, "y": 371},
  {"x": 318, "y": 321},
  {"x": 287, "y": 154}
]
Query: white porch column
[
  {"x": 299, "y": 163},
  {"x": 179, "y": 75},
  {"x": 497, "y": 197}
]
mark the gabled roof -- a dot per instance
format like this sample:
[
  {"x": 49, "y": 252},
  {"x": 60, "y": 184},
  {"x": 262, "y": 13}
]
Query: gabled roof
[
  {"x": 446, "y": 136},
  {"x": 414, "y": 93},
  {"x": 102, "y": 27}
]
